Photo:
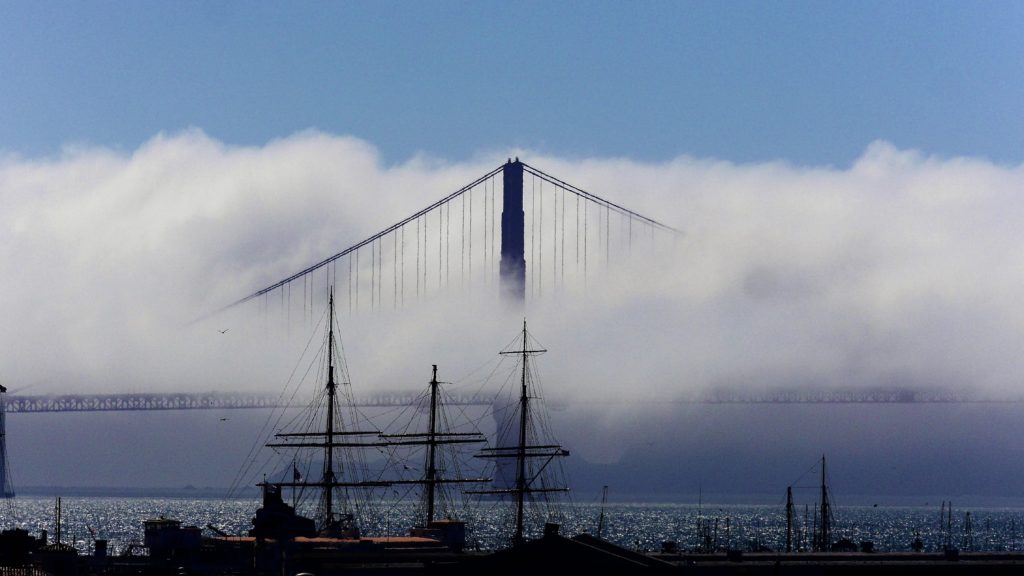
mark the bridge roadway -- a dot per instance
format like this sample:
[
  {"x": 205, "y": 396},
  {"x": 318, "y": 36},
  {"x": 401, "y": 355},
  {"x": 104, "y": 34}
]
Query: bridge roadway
[{"x": 21, "y": 404}]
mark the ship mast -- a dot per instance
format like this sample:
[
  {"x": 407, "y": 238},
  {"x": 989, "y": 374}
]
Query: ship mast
[
  {"x": 789, "y": 519},
  {"x": 431, "y": 477},
  {"x": 524, "y": 406},
  {"x": 433, "y": 439},
  {"x": 523, "y": 451},
  {"x": 329, "y": 435},
  {"x": 328, "y": 475},
  {"x": 825, "y": 542}
]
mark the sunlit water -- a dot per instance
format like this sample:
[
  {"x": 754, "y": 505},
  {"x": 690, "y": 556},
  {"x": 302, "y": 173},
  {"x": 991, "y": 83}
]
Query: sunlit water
[{"x": 641, "y": 526}]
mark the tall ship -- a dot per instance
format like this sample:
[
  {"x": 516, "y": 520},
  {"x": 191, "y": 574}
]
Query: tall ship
[
  {"x": 327, "y": 443},
  {"x": 527, "y": 456}
]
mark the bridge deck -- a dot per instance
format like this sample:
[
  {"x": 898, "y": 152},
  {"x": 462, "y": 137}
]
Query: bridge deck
[{"x": 19, "y": 404}]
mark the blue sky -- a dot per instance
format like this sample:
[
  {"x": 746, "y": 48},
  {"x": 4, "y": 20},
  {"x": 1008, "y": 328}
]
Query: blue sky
[{"x": 812, "y": 83}]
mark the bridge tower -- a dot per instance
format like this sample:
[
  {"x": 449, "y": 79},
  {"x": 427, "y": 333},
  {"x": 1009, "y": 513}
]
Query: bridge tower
[
  {"x": 513, "y": 252},
  {"x": 6, "y": 488}
]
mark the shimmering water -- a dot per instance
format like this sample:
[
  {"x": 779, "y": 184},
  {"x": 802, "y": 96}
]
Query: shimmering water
[{"x": 642, "y": 526}]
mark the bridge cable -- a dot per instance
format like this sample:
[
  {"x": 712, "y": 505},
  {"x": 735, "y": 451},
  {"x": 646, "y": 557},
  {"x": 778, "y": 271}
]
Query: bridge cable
[
  {"x": 447, "y": 244},
  {"x": 554, "y": 240},
  {"x": 356, "y": 246},
  {"x": 426, "y": 248},
  {"x": 440, "y": 248},
  {"x": 597, "y": 199},
  {"x": 485, "y": 233},
  {"x": 534, "y": 246},
  {"x": 462, "y": 237},
  {"x": 403, "y": 267},
  {"x": 417, "y": 259},
  {"x": 394, "y": 272},
  {"x": 470, "y": 241},
  {"x": 540, "y": 241},
  {"x": 494, "y": 184}
]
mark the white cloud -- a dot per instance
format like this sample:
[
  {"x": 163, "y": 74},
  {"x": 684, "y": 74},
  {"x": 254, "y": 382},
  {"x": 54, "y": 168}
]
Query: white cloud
[{"x": 903, "y": 269}]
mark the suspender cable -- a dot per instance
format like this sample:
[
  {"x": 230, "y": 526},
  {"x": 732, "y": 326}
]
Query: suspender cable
[
  {"x": 355, "y": 247},
  {"x": 417, "y": 258},
  {"x": 470, "y": 231}
]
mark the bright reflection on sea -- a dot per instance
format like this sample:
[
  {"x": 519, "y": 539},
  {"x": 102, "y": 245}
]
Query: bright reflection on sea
[{"x": 489, "y": 524}]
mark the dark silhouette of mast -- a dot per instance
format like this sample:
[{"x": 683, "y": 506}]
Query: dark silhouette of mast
[
  {"x": 524, "y": 407},
  {"x": 825, "y": 543},
  {"x": 434, "y": 439},
  {"x": 329, "y": 479},
  {"x": 328, "y": 475},
  {"x": 523, "y": 451},
  {"x": 789, "y": 519},
  {"x": 431, "y": 478}
]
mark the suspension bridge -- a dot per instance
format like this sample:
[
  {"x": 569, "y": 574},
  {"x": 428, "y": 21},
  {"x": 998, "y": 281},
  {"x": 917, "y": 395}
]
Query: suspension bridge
[
  {"x": 517, "y": 233},
  {"x": 24, "y": 404}
]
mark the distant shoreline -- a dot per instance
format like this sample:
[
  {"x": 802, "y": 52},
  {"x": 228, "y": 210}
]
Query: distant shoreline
[
  {"x": 204, "y": 492},
  {"x": 709, "y": 500}
]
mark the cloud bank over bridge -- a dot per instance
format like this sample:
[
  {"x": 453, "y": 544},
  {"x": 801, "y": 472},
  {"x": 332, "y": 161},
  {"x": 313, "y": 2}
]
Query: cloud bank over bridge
[{"x": 902, "y": 269}]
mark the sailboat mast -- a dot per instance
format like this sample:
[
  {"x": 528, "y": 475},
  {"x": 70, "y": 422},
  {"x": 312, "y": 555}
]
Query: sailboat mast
[
  {"x": 789, "y": 519},
  {"x": 521, "y": 452},
  {"x": 431, "y": 480},
  {"x": 329, "y": 448},
  {"x": 826, "y": 512}
]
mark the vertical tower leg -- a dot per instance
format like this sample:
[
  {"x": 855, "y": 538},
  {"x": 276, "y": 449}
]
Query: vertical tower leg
[
  {"x": 6, "y": 487},
  {"x": 513, "y": 259}
]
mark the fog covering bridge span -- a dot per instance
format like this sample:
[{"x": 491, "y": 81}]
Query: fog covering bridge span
[{"x": 22, "y": 404}]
